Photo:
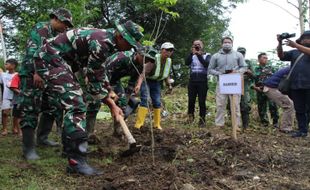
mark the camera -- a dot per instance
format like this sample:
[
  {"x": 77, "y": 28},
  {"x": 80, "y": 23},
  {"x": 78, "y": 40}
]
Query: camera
[
  {"x": 286, "y": 35},
  {"x": 197, "y": 47},
  {"x": 228, "y": 71}
]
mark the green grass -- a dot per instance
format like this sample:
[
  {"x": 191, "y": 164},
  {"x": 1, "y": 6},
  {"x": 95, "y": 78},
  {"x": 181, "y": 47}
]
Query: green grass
[{"x": 46, "y": 173}]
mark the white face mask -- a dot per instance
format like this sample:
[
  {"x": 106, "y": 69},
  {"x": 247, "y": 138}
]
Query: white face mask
[{"x": 227, "y": 46}]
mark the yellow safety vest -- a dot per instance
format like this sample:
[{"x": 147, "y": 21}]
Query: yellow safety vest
[{"x": 166, "y": 69}]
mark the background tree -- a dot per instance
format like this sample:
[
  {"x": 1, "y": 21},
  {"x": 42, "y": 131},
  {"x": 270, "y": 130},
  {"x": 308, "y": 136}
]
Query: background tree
[{"x": 179, "y": 22}]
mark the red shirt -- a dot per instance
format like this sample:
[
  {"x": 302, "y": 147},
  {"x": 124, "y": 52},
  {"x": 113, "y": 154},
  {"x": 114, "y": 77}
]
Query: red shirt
[{"x": 15, "y": 82}]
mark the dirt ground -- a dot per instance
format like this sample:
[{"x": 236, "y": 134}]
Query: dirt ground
[{"x": 188, "y": 157}]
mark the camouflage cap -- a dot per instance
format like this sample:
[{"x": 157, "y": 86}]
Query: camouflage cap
[
  {"x": 131, "y": 32},
  {"x": 63, "y": 15},
  {"x": 241, "y": 50},
  {"x": 149, "y": 52}
]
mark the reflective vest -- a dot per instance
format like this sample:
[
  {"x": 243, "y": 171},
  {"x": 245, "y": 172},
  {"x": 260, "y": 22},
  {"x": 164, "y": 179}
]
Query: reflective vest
[{"x": 158, "y": 75}]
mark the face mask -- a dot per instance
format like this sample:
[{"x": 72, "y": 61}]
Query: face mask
[{"x": 227, "y": 47}]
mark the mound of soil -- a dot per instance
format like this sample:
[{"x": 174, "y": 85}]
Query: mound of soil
[{"x": 193, "y": 158}]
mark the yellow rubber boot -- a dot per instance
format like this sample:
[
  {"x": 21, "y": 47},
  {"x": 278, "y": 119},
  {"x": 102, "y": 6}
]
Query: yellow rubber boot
[
  {"x": 142, "y": 111},
  {"x": 157, "y": 118}
]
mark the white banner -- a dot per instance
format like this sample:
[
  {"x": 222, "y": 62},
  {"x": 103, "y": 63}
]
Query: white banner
[{"x": 231, "y": 83}]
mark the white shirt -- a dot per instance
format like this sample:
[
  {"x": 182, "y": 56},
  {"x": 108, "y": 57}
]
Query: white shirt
[{"x": 5, "y": 79}]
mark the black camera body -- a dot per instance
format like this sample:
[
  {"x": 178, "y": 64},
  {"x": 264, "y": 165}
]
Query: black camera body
[
  {"x": 286, "y": 35},
  {"x": 197, "y": 47}
]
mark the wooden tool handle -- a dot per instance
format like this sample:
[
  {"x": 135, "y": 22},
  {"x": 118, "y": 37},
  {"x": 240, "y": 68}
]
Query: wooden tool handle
[{"x": 126, "y": 131}]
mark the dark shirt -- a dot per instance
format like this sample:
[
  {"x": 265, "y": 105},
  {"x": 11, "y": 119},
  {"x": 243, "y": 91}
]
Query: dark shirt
[
  {"x": 274, "y": 80},
  {"x": 300, "y": 77},
  {"x": 198, "y": 67}
]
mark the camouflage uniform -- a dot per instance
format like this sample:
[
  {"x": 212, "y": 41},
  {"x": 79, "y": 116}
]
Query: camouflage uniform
[
  {"x": 245, "y": 102},
  {"x": 261, "y": 73},
  {"x": 87, "y": 48},
  {"x": 30, "y": 96}
]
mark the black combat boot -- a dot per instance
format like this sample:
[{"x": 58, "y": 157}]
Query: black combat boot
[
  {"x": 29, "y": 152},
  {"x": 44, "y": 128},
  {"x": 75, "y": 145}
]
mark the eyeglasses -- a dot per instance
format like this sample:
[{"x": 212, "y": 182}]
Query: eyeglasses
[{"x": 170, "y": 49}]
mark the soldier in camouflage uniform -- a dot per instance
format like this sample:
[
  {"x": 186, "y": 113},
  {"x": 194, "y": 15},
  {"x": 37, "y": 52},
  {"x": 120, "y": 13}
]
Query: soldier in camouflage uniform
[
  {"x": 262, "y": 72},
  {"x": 122, "y": 64},
  {"x": 245, "y": 105},
  {"x": 30, "y": 96},
  {"x": 116, "y": 65},
  {"x": 89, "y": 48}
]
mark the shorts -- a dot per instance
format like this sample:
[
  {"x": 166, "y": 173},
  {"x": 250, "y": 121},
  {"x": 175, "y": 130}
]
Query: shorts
[
  {"x": 16, "y": 111},
  {"x": 6, "y": 104}
]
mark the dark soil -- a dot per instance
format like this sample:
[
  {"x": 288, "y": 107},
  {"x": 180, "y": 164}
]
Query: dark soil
[{"x": 205, "y": 158}]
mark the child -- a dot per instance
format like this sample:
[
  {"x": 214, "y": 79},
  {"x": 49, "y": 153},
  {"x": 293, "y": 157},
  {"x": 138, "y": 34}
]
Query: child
[
  {"x": 16, "y": 113},
  {"x": 5, "y": 79}
]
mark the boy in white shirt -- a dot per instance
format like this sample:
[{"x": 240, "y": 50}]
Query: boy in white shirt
[{"x": 5, "y": 79}]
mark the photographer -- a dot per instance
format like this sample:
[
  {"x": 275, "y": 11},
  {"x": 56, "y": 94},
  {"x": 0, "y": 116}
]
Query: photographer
[
  {"x": 198, "y": 81},
  {"x": 299, "y": 79}
]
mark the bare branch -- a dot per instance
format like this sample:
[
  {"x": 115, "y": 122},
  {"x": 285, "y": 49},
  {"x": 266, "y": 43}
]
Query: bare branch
[
  {"x": 154, "y": 28},
  {"x": 281, "y": 8},
  {"x": 163, "y": 29},
  {"x": 159, "y": 23},
  {"x": 292, "y": 4}
]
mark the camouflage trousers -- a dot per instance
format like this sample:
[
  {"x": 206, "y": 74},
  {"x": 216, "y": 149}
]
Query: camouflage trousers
[
  {"x": 92, "y": 105},
  {"x": 29, "y": 100},
  {"x": 62, "y": 82},
  {"x": 51, "y": 106},
  {"x": 262, "y": 103},
  {"x": 245, "y": 108}
]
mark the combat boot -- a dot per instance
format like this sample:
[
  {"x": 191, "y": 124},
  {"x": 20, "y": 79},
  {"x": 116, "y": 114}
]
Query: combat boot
[
  {"x": 29, "y": 152},
  {"x": 44, "y": 128},
  {"x": 75, "y": 145}
]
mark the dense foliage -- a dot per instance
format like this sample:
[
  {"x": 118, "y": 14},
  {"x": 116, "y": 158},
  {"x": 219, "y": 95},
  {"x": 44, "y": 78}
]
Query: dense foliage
[{"x": 163, "y": 20}]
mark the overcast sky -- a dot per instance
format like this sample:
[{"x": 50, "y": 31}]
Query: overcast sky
[{"x": 254, "y": 25}]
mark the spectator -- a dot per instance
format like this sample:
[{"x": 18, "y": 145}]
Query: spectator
[
  {"x": 5, "y": 79},
  {"x": 16, "y": 113},
  {"x": 226, "y": 60},
  {"x": 299, "y": 79},
  {"x": 262, "y": 72},
  {"x": 198, "y": 81},
  {"x": 271, "y": 91}
]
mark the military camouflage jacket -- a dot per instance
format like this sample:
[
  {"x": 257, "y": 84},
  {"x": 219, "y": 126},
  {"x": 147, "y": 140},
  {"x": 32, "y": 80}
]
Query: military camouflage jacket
[
  {"x": 262, "y": 72},
  {"x": 122, "y": 64},
  {"x": 86, "y": 47},
  {"x": 38, "y": 36}
]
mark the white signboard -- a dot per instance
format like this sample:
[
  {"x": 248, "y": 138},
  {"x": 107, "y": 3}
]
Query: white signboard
[{"x": 231, "y": 83}]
